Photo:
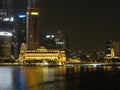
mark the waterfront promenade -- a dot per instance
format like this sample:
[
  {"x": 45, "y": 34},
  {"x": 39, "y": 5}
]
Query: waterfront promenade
[{"x": 68, "y": 64}]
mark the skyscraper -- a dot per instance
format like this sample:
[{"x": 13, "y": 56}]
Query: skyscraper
[
  {"x": 6, "y": 15},
  {"x": 33, "y": 24},
  {"x": 6, "y": 29},
  {"x": 21, "y": 30}
]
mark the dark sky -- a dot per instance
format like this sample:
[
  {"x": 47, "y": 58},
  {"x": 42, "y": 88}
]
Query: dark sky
[{"x": 87, "y": 23}]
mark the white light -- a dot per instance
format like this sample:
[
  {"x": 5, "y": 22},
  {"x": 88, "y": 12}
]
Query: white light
[
  {"x": 52, "y": 36},
  {"x": 5, "y": 34},
  {"x": 47, "y": 36},
  {"x": 94, "y": 65},
  {"x": 11, "y": 19},
  {"x": 108, "y": 54},
  {"x": 8, "y": 19}
]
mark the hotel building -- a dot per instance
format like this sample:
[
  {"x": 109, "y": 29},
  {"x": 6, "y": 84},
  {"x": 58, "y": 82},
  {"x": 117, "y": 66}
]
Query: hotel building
[{"x": 42, "y": 53}]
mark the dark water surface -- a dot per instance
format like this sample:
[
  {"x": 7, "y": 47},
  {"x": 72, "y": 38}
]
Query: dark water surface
[{"x": 59, "y": 78}]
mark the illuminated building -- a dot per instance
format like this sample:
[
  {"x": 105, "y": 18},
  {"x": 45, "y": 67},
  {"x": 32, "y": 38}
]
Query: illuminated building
[
  {"x": 113, "y": 49},
  {"x": 5, "y": 45},
  {"x": 116, "y": 47},
  {"x": 33, "y": 28},
  {"x": 33, "y": 25},
  {"x": 6, "y": 15},
  {"x": 42, "y": 54},
  {"x": 7, "y": 26}
]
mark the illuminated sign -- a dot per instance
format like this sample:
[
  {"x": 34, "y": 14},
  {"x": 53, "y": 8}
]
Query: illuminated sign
[
  {"x": 5, "y": 34},
  {"x": 34, "y": 13}
]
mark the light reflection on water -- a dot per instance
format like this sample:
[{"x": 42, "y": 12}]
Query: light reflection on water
[{"x": 56, "y": 78}]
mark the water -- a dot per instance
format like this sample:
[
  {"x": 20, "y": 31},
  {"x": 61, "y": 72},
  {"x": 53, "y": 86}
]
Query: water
[{"x": 59, "y": 78}]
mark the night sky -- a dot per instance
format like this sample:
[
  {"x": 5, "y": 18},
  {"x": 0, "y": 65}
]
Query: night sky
[{"x": 87, "y": 23}]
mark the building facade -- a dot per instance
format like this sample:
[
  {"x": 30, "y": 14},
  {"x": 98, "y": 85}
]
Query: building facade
[
  {"x": 5, "y": 46},
  {"x": 33, "y": 28},
  {"x": 6, "y": 28},
  {"x": 49, "y": 55},
  {"x": 54, "y": 41},
  {"x": 113, "y": 49},
  {"x": 33, "y": 24}
]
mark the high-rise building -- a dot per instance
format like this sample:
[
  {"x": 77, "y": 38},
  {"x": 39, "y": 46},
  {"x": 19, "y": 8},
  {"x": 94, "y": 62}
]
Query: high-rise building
[
  {"x": 21, "y": 30},
  {"x": 60, "y": 40},
  {"x": 113, "y": 49},
  {"x": 33, "y": 25},
  {"x": 5, "y": 46},
  {"x": 6, "y": 15},
  {"x": 6, "y": 28}
]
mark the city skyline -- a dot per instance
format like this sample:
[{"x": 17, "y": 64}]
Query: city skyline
[{"x": 88, "y": 24}]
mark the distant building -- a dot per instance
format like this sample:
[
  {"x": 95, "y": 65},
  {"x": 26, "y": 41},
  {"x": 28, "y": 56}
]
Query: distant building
[
  {"x": 6, "y": 15},
  {"x": 5, "y": 46},
  {"x": 113, "y": 49},
  {"x": 116, "y": 48},
  {"x": 48, "y": 41},
  {"x": 54, "y": 41},
  {"x": 21, "y": 28},
  {"x": 60, "y": 40}
]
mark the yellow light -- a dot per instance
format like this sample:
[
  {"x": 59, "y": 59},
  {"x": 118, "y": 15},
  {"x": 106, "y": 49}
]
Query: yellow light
[{"x": 34, "y": 13}]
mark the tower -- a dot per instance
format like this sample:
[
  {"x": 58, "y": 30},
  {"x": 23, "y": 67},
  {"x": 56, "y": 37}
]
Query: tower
[
  {"x": 33, "y": 24},
  {"x": 6, "y": 30}
]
